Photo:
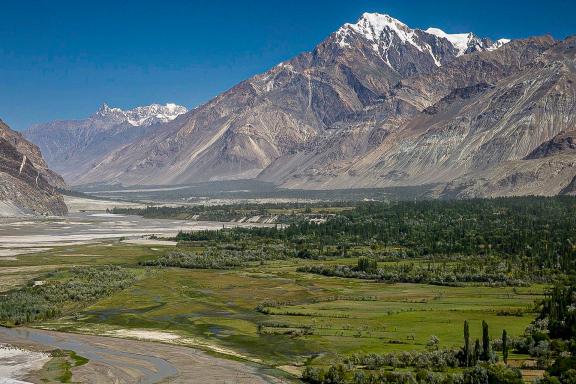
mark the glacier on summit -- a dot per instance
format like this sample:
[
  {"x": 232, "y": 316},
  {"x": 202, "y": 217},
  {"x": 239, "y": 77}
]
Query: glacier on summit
[
  {"x": 384, "y": 30},
  {"x": 141, "y": 116}
]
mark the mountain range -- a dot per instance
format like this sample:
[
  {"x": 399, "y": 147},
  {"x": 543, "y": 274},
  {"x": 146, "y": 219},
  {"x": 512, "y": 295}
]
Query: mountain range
[
  {"x": 73, "y": 147},
  {"x": 376, "y": 104}
]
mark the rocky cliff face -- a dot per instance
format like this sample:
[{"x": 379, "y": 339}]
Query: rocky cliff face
[
  {"x": 564, "y": 142},
  {"x": 376, "y": 104},
  {"x": 27, "y": 186},
  {"x": 548, "y": 170}
]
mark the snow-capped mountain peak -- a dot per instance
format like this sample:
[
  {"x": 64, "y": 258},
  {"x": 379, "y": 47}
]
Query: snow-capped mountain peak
[
  {"x": 373, "y": 25},
  {"x": 140, "y": 116},
  {"x": 384, "y": 32}
]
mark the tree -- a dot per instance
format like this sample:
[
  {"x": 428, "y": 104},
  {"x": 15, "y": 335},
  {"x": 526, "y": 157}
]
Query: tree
[
  {"x": 505, "y": 346},
  {"x": 467, "y": 351},
  {"x": 433, "y": 343},
  {"x": 366, "y": 264},
  {"x": 477, "y": 352},
  {"x": 485, "y": 342},
  {"x": 335, "y": 375},
  {"x": 313, "y": 375}
]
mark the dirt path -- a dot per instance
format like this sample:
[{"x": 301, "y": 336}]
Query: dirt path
[{"x": 114, "y": 360}]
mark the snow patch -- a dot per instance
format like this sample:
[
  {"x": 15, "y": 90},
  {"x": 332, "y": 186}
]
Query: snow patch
[
  {"x": 460, "y": 41},
  {"x": 141, "y": 116},
  {"x": 498, "y": 44}
]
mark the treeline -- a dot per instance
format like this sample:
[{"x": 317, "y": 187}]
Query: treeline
[
  {"x": 484, "y": 271},
  {"x": 197, "y": 212},
  {"x": 533, "y": 232},
  {"x": 540, "y": 228},
  {"x": 219, "y": 257},
  {"x": 284, "y": 212},
  {"x": 480, "y": 374},
  {"x": 60, "y": 292},
  {"x": 437, "y": 360},
  {"x": 554, "y": 332}
]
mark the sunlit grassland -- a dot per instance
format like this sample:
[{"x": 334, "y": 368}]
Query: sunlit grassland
[
  {"x": 18, "y": 271},
  {"x": 305, "y": 315},
  {"x": 116, "y": 253}
]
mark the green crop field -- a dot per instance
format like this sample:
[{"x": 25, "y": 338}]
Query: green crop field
[{"x": 302, "y": 315}]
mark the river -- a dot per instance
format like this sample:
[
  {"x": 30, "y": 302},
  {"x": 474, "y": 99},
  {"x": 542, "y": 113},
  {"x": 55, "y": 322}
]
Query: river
[{"x": 115, "y": 360}]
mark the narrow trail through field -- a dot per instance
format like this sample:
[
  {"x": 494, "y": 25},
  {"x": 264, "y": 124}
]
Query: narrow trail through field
[{"x": 114, "y": 360}]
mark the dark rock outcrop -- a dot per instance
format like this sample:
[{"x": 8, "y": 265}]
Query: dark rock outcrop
[
  {"x": 27, "y": 186},
  {"x": 564, "y": 142}
]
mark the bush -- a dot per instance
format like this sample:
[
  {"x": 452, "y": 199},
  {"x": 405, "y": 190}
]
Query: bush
[{"x": 79, "y": 285}]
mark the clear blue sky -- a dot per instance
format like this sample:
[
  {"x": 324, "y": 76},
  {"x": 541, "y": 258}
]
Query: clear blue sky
[{"x": 62, "y": 59}]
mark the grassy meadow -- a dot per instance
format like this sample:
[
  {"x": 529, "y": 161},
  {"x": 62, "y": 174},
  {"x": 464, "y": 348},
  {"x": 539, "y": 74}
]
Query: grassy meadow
[{"x": 275, "y": 314}]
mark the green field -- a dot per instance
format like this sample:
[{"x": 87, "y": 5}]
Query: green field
[{"x": 280, "y": 316}]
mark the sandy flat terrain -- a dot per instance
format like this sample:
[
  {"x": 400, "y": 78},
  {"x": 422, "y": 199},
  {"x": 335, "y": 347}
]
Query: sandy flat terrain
[
  {"x": 17, "y": 363},
  {"x": 115, "y": 360},
  {"x": 79, "y": 204},
  {"x": 144, "y": 335},
  {"x": 83, "y": 228}
]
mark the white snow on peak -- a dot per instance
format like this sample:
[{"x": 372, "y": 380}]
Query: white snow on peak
[
  {"x": 498, "y": 44},
  {"x": 373, "y": 25},
  {"x": 460, "y": 41},
  {"x": 381, "y": 30},
  {"x": 141, "y": 116}
]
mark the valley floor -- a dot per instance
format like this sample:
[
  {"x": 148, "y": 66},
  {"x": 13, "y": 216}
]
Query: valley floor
[
  {"x": 116, "y": 360},
  {"x": 256, "y": 322},
  {"x": 310, "y": 318}
]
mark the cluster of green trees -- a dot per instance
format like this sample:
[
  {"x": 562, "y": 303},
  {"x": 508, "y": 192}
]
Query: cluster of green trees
[
  {"x": 60, "y": 292},
  {"x": 479, "y": 374},
  {"x": 531, "y": 233},
  {"x": 481, "y": 352},
  {"x": 554, "y": 333},
  {"x": 218, "y": 257},
  {"x": 436, "y": 360},
  {"x": 472, "y": 270},
  {"x": 282, "y": 212}
]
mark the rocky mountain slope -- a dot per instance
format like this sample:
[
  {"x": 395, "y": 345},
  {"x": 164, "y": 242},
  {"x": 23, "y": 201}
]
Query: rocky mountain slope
[
  {"x": 377, "y": 104},
  {"x": 27, "y": 186},
  {"x": 71, "y": 147}
]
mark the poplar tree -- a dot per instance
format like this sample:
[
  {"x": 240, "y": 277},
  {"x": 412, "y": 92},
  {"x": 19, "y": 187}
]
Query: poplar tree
[
  {"x": 485, "y": 342},
  {"x": 477, "y": 352},
  {"x": 467, "y": 351},
  {"x": 505, "y": 346}
]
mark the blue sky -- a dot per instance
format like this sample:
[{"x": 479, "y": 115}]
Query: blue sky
[{"x": 62, "y": 59}]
